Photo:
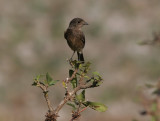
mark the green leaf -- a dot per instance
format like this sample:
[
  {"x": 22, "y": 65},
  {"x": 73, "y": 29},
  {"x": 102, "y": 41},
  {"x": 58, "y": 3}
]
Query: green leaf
[
  {"x": 81, "y": 96},
  {"x": 149, "y": 85},
  {"x": 87, "y": 64},
  {"x": 96, "y": 73},
  {"x": 154, "y": 107},
  {"x": 48, "y": 78},
  {"x": 143, "y": 42},
  {"x": 72, "y": 105},
  {"x": 96, "y": 106},
  {"x": 80, "y": 66},
  {"x": 96, "y": 79},
  {"x": 53, "y": 82},
  {"x": 45, "y": 82},
  {"x": 154, "y": 118},
  {"x": 86, "y": 67},
  {"x": 38, "y": 77},
  {"x": 71, "y": 72},
  {"x": 34, "y": 84},
  {"x": 75, "y": 63},
  {"x": 87, "y": 77},
  {"x": 98, "y": 83},
  {"x": 49, "y": 81},
  {"x": 74, "y": 82},
  {"x": 90, "y": 80}
]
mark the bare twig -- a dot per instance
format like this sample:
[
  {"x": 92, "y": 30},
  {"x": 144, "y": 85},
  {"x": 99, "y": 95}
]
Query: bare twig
[
  {"x": 83, "y": 110},
  {"x": 45, "y": 91}
]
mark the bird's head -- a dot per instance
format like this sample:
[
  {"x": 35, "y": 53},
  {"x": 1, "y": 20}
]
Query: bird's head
[{"x": 77, "y": 23}]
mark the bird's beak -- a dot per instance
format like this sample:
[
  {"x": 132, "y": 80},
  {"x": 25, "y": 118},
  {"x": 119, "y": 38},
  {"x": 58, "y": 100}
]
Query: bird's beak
[{"x": 85, "y": 23}]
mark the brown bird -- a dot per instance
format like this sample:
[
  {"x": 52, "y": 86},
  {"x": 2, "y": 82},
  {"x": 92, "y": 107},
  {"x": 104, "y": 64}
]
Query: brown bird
[{"x": 75, "y": 37}]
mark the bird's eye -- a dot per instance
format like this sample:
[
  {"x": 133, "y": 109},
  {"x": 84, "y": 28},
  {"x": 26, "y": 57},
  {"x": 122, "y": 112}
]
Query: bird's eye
[{"x": 79, "y": 22}]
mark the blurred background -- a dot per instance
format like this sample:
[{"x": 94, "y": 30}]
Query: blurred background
[{"x": 32, "y": 42}]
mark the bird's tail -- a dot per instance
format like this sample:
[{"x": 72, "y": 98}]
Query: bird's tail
[{"x": 80, "y": 57}]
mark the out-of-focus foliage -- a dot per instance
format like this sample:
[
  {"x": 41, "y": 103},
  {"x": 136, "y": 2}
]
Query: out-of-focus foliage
[{"x": 151, "y": 106}]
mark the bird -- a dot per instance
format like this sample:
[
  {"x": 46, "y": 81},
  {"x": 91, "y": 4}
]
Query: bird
[{"x": 75, "y": 37}]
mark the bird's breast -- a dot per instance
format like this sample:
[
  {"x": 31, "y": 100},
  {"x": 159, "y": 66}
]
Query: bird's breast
[{"x": 73, "y": 39}]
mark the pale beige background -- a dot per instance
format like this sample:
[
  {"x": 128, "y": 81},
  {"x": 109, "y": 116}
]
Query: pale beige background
[{"x": 32, "y": 42}]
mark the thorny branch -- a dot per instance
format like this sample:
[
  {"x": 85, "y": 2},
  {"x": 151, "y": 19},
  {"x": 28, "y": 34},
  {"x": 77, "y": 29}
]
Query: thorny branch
[
  {"x": 152, "y": 106},
  {"x": 52, "y": 114}
]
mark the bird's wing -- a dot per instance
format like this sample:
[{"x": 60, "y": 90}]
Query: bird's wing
[
  {"x": 82, "y": 37},
  {"x": 67, "y": 34}
]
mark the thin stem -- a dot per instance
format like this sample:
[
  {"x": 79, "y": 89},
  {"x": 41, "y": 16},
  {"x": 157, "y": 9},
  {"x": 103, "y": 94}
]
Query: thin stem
[
  {"x": 48, "y": 101},
  {"x": 45, "y": 91},
  {"x": 73, "y": 75}
]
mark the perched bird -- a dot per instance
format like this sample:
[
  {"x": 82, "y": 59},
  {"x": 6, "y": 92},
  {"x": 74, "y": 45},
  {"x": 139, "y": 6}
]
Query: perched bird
[{"x": 75, "y": 37}]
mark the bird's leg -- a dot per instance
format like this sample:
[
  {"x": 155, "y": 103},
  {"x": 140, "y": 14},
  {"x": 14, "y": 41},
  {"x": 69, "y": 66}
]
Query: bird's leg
[{"x": 72, "y": 56}]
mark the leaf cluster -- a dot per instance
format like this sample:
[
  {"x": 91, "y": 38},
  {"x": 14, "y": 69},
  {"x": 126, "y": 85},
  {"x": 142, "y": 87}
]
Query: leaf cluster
[
  {"x": 48, "y": 81},
  {"x": 82, "y": 77}
]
